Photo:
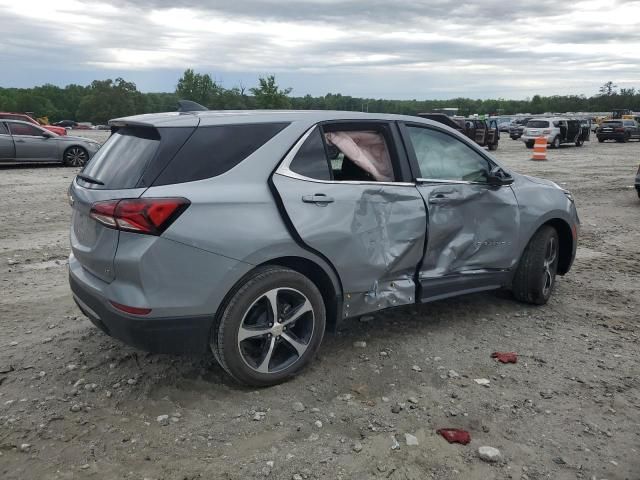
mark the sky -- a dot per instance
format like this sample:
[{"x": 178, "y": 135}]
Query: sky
[{"x": 423, "y": 49}]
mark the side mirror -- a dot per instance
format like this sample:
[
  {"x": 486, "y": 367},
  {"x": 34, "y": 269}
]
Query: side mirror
[{"x": 498, "y": 177}]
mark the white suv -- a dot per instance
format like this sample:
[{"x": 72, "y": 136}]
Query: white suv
[{"x": 555, "y": 130}]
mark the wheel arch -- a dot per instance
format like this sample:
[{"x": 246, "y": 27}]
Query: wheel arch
[
  {"x": 330, "y": 289},
  {"x": 565, "y": 236},
  {"x": 566, "y": 240}
]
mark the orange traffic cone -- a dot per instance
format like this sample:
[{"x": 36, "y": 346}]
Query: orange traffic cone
[{"x": 540, "y": 149}]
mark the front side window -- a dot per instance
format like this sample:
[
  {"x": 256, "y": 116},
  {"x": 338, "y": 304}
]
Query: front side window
[
  {"x": 443, "y": 157},
  {"x": 24, "y": 129},
  {"x": 3, "y": 129}
]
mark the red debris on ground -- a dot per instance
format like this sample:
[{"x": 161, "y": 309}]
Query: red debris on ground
[
  {"x": 454, "y": 435},
  {"x": 505, "y": 357}
]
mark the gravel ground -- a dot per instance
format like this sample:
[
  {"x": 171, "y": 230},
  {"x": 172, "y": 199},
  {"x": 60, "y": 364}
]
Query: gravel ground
[{"x": 75, "y": 403}]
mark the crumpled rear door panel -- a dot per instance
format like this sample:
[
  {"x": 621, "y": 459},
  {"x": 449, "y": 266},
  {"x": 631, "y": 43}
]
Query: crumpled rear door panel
[{"x": 373, "y": 234}]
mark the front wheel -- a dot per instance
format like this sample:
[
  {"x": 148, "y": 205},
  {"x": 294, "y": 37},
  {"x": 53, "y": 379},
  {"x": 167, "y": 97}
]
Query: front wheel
[
  {"x": 493, "y": 146},
  {"x": 536, "y": 274},
  {"x": 270, "y": 328},
  {"x": 75, "y": 157},
  {"x": 555, "y": 143},
  {"x": 579, "y": 142}
]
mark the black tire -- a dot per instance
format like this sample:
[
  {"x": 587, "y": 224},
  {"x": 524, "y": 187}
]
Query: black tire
[
  {"x": 529, "y": 144},
  {"x": 242, "y": 359},
  {"x": 555, "y": 143},
  {"x": 75, "y": 156},
  {"x": 601, "y": 140},
  {"x": 626, "y": 138},
  {"x": 535, "y": 277},
  {"x": 493, "y": 146},
  {"x": 579, "y": 142}
]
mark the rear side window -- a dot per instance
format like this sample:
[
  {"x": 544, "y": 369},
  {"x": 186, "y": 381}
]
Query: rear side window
[
  {"x": 214, "y": 150},
  {"x": 538, "y": 124},
  {"x": 311, "y": 159},
  {"x": 3, "y": 129},
  {"x": 121, "y": 161}
]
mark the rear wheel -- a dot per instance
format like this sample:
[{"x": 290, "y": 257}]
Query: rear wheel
[
  {"x": 270, "y": 328},
  {"x": 75, "y": 157},
  {"x": 529, "y": 144},
  {"x": 579, "y": 142},
  {"x": 601, "y": 140},
  {"x": 536, "y": 274},
  {"x": 493, "y": 146}
]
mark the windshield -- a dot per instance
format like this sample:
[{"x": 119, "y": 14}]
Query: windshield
[
  {"x": 537, "y": 124},
  {"x": 611, "y": 124},
  {"x": 629, "y": 123}
]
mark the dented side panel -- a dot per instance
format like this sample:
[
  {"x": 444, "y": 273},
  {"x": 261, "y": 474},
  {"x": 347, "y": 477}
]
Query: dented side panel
[
  {"x": 472, "y": 227},
  {"x": 373, "y": 234}
]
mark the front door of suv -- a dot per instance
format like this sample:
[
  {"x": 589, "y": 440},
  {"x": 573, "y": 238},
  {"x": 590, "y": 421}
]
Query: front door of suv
[
  {"x": 370, "y": 224},
  {"x": 472, "y": 232}
]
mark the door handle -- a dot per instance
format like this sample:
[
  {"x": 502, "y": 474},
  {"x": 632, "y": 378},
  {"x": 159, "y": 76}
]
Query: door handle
[
  {"x": 318, "y": 198},
  {"x": 440, "y": 197}
]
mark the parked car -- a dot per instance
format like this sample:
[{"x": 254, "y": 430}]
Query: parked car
[
  {"x": 250, "y": 233},
  {"x": 66, "y": 123},
  {"x": 24, "y": 142},
  {"x": 618, "y": 130},
  {"x": 27, "y": 118},
  {"x": 484, "y": 132},
  {"x": 517, "y": 127},
  {"x": 556, "y": 130}
]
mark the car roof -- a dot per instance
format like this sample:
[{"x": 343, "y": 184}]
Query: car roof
[
  {"x": 219, "y": 117},
  {"x": 11, "y": 120}
]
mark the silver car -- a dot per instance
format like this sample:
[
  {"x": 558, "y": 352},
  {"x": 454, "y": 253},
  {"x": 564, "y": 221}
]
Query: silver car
[
  {"x": 252, "y": 232},
  {"x": 25, "y": 142}
]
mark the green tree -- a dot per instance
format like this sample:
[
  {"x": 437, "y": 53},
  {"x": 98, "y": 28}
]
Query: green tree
[
  {"x": 608, "y": 89},
  {"x": 107, "y": 99},
  {"x": 198, "y": 88},
  {"x": 269, "y": 96}
]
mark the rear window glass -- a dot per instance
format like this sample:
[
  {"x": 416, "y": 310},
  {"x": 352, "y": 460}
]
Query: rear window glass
[
  {"x": 121, "y": 161},
  {"x": 538, "y": 124},
  {"x": 214, "y": 150}
]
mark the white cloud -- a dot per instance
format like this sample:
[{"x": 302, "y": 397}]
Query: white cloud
[{"x": 384, "y": 47}]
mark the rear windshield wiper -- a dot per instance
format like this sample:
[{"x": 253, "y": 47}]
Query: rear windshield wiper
[{"x": 90, "y": 179}]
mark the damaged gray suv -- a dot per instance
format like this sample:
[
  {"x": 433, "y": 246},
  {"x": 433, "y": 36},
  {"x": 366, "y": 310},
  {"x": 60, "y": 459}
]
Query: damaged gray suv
[{"x": 252, "y": 232}]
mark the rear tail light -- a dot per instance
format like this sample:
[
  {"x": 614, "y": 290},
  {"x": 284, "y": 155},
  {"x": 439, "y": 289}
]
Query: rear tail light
[
  {"x": 619, "y": 129},
  {"x": 150, "y": 216}
]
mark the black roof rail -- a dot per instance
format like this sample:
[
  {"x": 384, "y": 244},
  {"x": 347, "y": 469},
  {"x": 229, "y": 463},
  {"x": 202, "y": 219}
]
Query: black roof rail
[{"x": 189, "y": 106}]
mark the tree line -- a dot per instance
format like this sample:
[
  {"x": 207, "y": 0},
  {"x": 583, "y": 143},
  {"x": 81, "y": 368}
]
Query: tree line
[{"x": 106, "y": 99}]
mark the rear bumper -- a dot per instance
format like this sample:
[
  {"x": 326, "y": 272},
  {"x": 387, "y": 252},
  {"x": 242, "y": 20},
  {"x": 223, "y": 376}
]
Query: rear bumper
[
  {"x": 159, "y": 335},
  {"x": 611, "y": 136}
]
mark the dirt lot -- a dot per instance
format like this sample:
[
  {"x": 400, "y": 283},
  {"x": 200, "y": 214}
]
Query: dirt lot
[{"x": 75, "y": 403}]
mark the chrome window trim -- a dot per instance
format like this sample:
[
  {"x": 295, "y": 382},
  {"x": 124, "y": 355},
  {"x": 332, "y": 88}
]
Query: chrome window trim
[
  {"x": 285, "y": 170},
  {"x": 456, "y": 182}
]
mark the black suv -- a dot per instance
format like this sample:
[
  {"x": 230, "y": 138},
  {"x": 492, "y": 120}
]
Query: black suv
[{"x": 618, "y": 130}]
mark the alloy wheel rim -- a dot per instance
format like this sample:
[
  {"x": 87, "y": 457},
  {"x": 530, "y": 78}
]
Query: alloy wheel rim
[
  {"x": 76, "y": 157},
  {"x": 550, "y": 255},
  {"x": 276, "y": 330}
]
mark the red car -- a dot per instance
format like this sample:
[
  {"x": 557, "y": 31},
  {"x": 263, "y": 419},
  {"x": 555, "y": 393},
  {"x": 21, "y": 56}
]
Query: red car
[{"x": 26, "y": 118}]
